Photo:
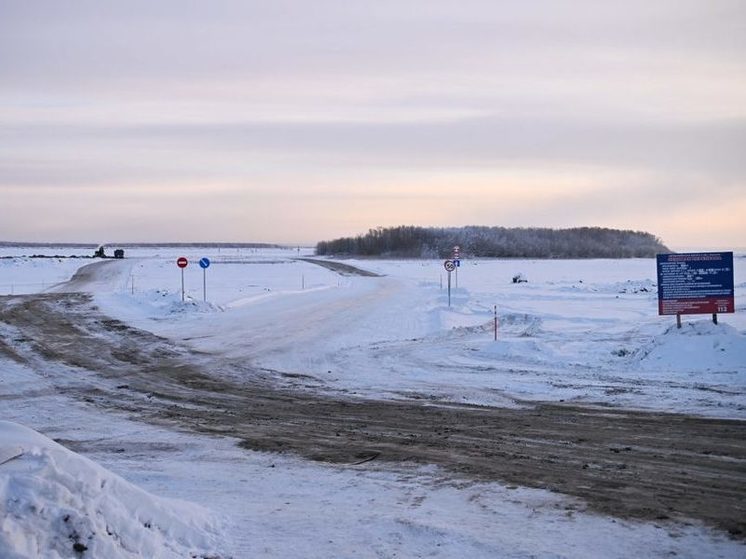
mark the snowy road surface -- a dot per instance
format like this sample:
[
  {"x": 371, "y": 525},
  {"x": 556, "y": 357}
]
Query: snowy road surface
[{"x": 277, "y": 373}]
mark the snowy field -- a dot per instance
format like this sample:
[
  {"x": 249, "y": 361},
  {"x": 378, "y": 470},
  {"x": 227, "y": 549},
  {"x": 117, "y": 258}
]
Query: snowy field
[{"x": 583, "y": 332}]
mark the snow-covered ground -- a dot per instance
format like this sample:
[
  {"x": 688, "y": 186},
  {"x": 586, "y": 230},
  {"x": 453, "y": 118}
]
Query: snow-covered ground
[
  {"x": 584, "y": 331},
  {"x": 578, "y": 330}
]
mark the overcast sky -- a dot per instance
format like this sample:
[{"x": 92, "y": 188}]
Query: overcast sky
[{"x": 297, "y": 121}]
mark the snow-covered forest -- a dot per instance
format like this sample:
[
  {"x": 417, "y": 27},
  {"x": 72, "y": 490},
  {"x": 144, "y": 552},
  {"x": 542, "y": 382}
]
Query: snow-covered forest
[{"x": 496, "y": 242}]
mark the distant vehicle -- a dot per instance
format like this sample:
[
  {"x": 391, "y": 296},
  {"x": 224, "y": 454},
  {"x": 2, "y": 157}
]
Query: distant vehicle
[{"x": 119, "y": 253}]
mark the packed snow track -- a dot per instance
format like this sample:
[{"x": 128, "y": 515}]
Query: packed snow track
[{"x": 633, "y": 464}]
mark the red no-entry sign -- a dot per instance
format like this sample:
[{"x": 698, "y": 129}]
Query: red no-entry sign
[{"x": 182, "y": 262}]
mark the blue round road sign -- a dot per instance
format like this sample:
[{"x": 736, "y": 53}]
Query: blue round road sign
[{"x": 204, "y": 262}]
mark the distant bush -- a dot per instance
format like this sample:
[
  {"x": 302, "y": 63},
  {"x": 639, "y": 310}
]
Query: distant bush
[{"x": 496, "y": 242}]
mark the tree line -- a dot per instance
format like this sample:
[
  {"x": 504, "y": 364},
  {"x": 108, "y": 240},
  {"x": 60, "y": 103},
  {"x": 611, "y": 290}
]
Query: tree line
[{"x": 496, "y": 242}]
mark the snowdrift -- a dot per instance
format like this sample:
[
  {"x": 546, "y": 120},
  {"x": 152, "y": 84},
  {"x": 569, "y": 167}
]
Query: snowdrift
[
  {"x": 57, "y": 504},
  {"x": 697, "y": 346}
]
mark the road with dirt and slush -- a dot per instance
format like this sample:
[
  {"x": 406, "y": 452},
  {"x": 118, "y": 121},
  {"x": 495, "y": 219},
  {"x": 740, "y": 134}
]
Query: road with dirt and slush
[{"x": 628, "y": 464}]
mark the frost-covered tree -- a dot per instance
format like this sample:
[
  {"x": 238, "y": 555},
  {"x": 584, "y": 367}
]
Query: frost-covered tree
[{"x": 496, "y": 242}]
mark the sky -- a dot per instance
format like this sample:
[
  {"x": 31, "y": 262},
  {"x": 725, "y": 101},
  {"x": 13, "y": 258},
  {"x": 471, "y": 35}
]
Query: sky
[{"x": 296, "y": 121}]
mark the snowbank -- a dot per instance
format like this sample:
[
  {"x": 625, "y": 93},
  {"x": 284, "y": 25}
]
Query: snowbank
[
  {"x": 697, "y": 346},
  {"x": 55, "y": 503}
]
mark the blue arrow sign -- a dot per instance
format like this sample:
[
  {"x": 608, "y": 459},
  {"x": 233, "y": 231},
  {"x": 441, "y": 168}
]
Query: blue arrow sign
[{"x": 204, "y": 262}]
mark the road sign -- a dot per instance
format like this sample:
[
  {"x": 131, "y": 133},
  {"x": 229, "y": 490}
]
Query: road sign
[
  {"x": 450, "y": 266},
  {"x": 182, "y": 262},
  {"x": 457, "y": 262},
  {"x": 695, "y": 283},
  {"x": 204, "y": 263}
]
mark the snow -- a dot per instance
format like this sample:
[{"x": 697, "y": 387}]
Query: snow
[
  {"x": 696, "y": 348},
  {"x": 31, "y": 275},
  {"x": 54, "y": 503},
  {"x": 584, "y": 331}
]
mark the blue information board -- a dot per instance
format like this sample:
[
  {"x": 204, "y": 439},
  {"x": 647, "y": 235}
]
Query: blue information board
[{"x": 695, "y": 283}]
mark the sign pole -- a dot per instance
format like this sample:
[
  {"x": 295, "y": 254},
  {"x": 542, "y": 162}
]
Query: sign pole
[
  {"x": 182, "y": 263},
  {"x": 449, "y": 289},
  {"x": 678, "y": 320},
  {"x": 714, "y": 318},
  {"x": 450, "y": 267},
  {"x": 457, "y": 260},
  {"x": 204, "y": 263},
  {"x": 495, "y": 322}
]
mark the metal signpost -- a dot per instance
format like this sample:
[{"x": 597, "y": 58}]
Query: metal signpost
[
  {"x": 457, "y": 260},
  {"x": 695, "y": 283},
  {"x": 450, "y": 266},
  {"x": 204, "y": 263},
  {"x": 182, "y": 263}
]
